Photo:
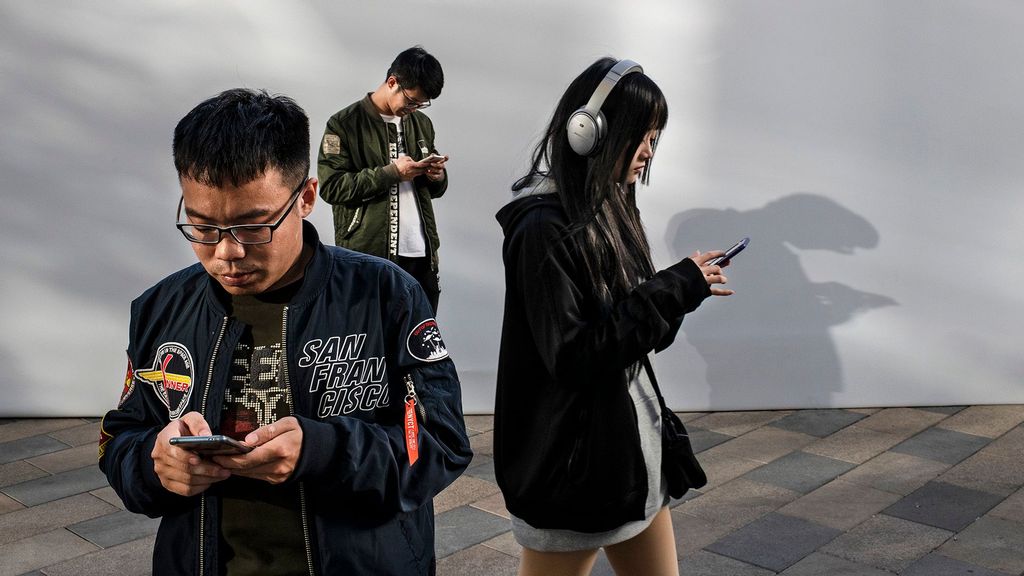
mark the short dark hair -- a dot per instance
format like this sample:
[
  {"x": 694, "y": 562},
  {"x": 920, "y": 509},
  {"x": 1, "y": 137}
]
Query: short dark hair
[
  {"x": 238, "y": 135},
  {"x": 416, "y": 68}
]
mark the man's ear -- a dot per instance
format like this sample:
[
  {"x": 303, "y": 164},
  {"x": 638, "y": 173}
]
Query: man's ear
[{"x": 308, "y": 197}]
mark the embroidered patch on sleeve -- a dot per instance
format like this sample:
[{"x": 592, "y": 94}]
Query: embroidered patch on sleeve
[
  {"x": 332, "y": 144},
  {"x": 129, "y": 384},
  {"x": 424, "y": 342}
]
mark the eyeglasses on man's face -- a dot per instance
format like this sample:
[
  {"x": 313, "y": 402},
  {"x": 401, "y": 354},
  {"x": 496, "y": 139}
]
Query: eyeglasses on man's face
[
  {"x": 248, "y": 234},
  {"x": 411, "y": 103}
]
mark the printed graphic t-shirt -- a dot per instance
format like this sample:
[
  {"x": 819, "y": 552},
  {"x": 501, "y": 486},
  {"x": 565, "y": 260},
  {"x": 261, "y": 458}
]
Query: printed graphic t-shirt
[{"x": 261, "y": 524}]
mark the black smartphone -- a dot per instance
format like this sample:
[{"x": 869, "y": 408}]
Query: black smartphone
[
  {"x": 211, "y": 445},
  {"x": 730, "y": 253}
]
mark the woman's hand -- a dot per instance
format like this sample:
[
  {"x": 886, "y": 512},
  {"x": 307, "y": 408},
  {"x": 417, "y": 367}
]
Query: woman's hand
[{"x": 712, "y": 272}]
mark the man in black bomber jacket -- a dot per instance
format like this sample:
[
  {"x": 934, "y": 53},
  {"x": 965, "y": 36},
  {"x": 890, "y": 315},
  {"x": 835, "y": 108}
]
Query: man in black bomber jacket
[{"x": 326, "y": 361}]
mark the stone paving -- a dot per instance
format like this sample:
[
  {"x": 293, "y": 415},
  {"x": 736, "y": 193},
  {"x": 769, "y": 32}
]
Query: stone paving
[{"x": 860, "y": 492}]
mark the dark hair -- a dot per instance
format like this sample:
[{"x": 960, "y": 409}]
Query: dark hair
[
  {"x": 416, "y": 68},
  {"x": 605, "y": 226},
  {"x": 240, "y": 134}
]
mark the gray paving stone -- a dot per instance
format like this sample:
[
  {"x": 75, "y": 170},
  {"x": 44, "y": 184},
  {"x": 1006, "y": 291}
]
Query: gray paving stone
[
  {"x": 948, "y": 446},
  {"x": 888, "y": 543},
  {"x": 116, "y": 528},
  {"x": 944, "y": 506},
  {"x": 737, "y": 423},
  {"x": 994, "y": 543},
  {"x": 818, "y": 423},
  {"x": 938, "y": 565},
  {"x": 896, "y": 473},
  {"x": 51, "y": 516},
  {"x": 483, "y": 443},
  {"x": 484, "y": 471},
  {"x": 819, "y": 564},
  {"x": 479, "y": 423},
  {"x": 987, "y": 473},
  {"x": 477, "y": 559},
  {"x": 64, "y": 460},
  {"x": 702, "y": 439},
  {"x": 901, "y": 422},
  {"x": 465, "y": 490},
  {"x": 1009, "y": 445},
  {"x": 799, "y": 471},
  {"x": 41, "y": 550},
  {"x": 466, "y": 526},
  {"x": 854, "y": 444},
  {"x": 775, "y": 541},
  {"x": 17, "y": 472},
  {"x": 721, "y": 467},
  {"x": 1011, "y": 509},
  {"x": 765, "y": 444},
  {"x": 134, "y": 558},
  {"x": 29, "y": 447},
  {"x": 85, "y": 434},
  {"x": 108, "y": 495},
  {"x": 506, "y": 544},
  {"x": 738, "y": 503},
  {"x": 57, "y": 486},
  {"x": 36, "y": 426},
  {"x": 601, "y": 566},
  {"x": 840, "y": 505},
  {"x": 710, "y": 564},
  {"x": 494, "y": 504},
  {"x": 947, "y": 410},
  {"x": 8, "y": 504},
  {"x": 693, "y": 533},
  {"x": 990, "y": 421}
]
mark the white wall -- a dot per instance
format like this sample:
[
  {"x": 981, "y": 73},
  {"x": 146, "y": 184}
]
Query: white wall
[{"x": 870, "y": 149}]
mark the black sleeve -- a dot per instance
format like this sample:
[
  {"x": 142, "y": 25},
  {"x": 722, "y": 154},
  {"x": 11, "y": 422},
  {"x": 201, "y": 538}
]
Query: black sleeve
[{"x": 574, "y": 341}]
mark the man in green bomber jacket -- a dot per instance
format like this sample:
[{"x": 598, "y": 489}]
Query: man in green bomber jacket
[{"x": 379, "y": 170}]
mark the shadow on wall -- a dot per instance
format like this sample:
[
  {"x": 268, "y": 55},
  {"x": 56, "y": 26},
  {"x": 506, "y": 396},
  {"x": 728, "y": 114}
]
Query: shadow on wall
[{"x": 772, "y": 337}]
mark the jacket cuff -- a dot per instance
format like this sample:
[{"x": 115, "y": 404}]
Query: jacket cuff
[
  {"x": 148, "y": 471},
  {"x": 391, "y": 174},
  {"x": 318, "y": 439}
]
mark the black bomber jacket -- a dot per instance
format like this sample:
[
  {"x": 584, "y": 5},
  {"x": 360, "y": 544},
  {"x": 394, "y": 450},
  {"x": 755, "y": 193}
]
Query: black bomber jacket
[{"x": 358, "y": 331}]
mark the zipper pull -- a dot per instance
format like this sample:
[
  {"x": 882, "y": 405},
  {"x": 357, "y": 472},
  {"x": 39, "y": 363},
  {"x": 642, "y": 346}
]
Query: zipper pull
[{"x": 412, "y": 429}]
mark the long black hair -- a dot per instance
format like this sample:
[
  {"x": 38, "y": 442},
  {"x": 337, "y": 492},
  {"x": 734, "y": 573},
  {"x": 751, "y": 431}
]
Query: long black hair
[{"x": 605, "y": 226}]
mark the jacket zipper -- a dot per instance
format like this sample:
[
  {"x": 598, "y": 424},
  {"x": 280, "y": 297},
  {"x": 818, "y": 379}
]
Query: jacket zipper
[
  {"x": 302, "y": 488},
  {"x": 410, "y": 394},
  {"x": 206, "y": 395}
]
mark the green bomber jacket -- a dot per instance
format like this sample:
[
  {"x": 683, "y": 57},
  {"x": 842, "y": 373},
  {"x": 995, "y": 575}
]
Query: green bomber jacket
[{"x": 356, "y": 176}]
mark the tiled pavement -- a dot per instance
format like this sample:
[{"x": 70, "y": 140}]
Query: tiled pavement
[{"x": 874, "y": 492}]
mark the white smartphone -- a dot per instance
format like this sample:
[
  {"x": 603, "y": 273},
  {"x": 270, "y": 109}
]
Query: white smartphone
[
  {"x": 211, "y": 445},
  {"x": 431, "y": 159}
]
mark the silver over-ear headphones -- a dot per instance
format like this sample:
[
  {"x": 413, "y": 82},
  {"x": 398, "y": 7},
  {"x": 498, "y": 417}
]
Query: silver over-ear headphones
[{"x": 586, "y": 127}]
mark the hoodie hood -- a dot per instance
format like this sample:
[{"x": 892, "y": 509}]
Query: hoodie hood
[{"x": 539, "y": 194}]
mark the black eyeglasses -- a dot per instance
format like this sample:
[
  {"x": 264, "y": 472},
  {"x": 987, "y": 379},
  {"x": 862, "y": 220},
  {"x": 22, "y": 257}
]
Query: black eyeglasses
[
  {"x": 242, "y": 233},
  {"x": 411, "y": 103}
]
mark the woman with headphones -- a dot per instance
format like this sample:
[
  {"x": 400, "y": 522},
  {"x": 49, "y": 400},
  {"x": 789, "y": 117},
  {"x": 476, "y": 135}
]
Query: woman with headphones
[{"x": 577, "y": 440}]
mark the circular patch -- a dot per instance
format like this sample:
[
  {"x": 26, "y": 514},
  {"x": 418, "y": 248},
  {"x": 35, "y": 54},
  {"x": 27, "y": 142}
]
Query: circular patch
[
  {"x": 171, "y": 377},
  {"x": 424, "y": 342}
]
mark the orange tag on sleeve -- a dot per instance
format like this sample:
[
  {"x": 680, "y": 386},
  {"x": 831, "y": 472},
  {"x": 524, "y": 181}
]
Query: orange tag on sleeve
[{"x": 412, "y": 432}]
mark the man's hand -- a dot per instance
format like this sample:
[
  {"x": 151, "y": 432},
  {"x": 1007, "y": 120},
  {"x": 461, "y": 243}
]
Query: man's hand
[
  {"x": 181, "y": 471},
  {"x": 435, "y": 170},
  {"x": 276, "y": 452},
  {"x": 712, "y": 272},
  {"x": 409, "y": 168}
]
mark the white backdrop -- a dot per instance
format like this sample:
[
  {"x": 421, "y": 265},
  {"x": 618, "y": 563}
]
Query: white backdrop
[{"x": 871, "y": 149}]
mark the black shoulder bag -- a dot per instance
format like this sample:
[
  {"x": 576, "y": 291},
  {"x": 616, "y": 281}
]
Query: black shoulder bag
[{"x": 682, "y": 471}]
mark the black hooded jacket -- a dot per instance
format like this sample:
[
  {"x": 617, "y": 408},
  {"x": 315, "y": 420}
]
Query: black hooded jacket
[{"x": 566, "y": 442}]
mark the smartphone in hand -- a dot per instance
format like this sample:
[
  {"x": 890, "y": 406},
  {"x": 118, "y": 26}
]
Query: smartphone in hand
[
  {"x": 211, "y": 445},
  {"x": 730, "y": 253},
  {"x": 433, "y": 158}
]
